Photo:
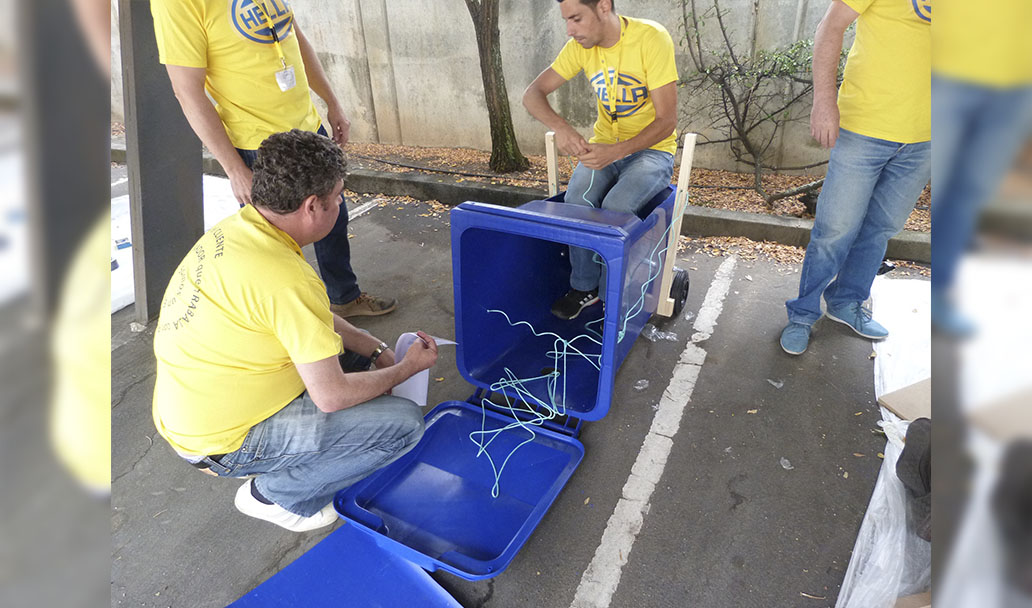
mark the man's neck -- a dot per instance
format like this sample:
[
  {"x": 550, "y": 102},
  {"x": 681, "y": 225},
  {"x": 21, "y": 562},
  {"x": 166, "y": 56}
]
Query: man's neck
[
  {"x": 284, "y": 223},
  {"x": 613, "y": 27}
]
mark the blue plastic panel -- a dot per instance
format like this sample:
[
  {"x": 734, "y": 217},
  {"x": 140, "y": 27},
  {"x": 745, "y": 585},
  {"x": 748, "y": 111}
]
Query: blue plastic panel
[
  {"x": 434, "y": 507},
  {"x": 516, "y": 260},
  {"x": 347, "y": 568}
]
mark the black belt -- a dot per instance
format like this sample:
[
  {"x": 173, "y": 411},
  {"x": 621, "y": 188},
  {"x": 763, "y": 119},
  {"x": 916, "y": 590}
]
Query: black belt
[{"x": 200, "y": 464}]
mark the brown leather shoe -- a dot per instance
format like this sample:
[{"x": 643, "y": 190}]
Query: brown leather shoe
[{"x": 365, "y": 305}]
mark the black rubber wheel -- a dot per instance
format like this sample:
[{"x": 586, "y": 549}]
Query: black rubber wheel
[{"x": 679, "y": 289}]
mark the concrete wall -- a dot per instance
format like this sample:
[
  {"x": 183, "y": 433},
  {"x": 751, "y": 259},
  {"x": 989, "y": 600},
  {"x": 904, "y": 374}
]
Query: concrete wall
[{"x": 409, "y": 74}]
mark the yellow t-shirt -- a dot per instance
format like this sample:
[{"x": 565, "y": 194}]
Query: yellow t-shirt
[
  {"x": 886, "y": 90},
  {"x": 232, "y": 40},
  {"x": 242, "y": 309},
  {"x": 983, "y": 42},
  {"x": 644, "y": 60},
  {"x": 80, "y": 424}
]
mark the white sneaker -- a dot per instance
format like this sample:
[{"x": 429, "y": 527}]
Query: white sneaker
[{"x": 247, "y": 504}]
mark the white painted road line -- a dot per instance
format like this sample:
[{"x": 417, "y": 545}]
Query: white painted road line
[
  {"x": 599, "y": 582},
  {"x": 714, "y": 303},
  {"x": 363, "y": 209}
]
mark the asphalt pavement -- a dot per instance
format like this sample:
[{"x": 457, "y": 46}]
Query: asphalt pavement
[{"x": 758, "y": 500}]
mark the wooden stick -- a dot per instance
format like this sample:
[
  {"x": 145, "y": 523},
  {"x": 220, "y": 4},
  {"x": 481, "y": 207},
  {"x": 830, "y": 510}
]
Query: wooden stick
[
  {"x": 666, "y": 303},
  {"x": 552, "y": 160}
]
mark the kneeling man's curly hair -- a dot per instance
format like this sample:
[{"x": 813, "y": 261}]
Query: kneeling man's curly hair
[{"x": 294, "y": 165}]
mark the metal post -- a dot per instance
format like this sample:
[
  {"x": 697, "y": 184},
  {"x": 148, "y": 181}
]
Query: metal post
[{"x": 164, "y": 163}]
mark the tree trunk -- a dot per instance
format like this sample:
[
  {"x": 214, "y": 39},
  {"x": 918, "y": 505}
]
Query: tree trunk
[{"x": 505, "y": 152}]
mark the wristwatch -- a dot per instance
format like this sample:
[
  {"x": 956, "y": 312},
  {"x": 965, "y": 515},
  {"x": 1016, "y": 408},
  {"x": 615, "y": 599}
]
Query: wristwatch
[{"x": 376, "y": 353}]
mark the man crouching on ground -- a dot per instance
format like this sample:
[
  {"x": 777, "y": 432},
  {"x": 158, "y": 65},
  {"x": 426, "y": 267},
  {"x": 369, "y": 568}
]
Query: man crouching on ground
[{"x": 248, "y": 378}]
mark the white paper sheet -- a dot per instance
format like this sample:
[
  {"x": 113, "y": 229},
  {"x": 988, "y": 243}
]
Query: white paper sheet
[
  {"x": 416, "y": 387},
  {"x": 903, "y": 306}
]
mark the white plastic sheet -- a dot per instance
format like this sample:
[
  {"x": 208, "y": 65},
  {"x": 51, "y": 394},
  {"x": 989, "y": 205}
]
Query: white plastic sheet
[{"x": 890, "y": 561}]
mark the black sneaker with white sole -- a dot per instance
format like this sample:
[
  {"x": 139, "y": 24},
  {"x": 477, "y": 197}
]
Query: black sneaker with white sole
[{"x": 571, "y": 304}]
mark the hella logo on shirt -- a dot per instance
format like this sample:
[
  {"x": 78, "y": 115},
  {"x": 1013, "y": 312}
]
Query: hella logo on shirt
[
  {"x": 923, "y": 8},
  {"x": 631, "y": 93},
  {"x": 249, "y": 19}
]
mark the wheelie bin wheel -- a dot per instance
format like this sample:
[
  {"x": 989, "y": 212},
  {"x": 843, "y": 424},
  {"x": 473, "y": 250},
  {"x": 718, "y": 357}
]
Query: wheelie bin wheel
[{"x": 679, "y": 289}]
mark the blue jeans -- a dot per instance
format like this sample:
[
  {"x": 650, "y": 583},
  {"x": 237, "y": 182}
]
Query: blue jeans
[
  {"x": 978, "y": 132},
  {"x": 302, "y": 456},
  {"x": 333, "y": 252},
  {"x": 868, "y": 193},
  {"x": 626, "y": 185}
]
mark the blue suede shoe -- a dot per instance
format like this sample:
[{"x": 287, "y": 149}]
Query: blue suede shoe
[
  {"x": 858, "y": 319},
  {"x": 794, "y": 338}
]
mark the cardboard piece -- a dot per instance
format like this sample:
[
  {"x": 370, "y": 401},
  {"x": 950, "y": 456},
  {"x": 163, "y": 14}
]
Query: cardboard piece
[
  {"x": 911, "y": 402},
  {"x": 1006, "y": 420},
  {"x": 921, "y": 600}
]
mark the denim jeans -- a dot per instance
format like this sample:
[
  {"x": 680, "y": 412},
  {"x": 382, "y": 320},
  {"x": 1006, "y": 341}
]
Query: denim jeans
[
  {"x": 978, "y": 132},
  {"x": 302, "y": 456},
  {"x": 333, "y": 252},
  {"x": 626, "y": 185},
  {"x": 868, "y": 193}
]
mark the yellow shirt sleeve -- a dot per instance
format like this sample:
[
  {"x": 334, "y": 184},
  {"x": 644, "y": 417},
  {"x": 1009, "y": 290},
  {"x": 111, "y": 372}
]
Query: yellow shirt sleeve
[
  {"x": 568, "y": 64},
  {"x": 660, "y": 69},
  {"x": 180, "y": 33},
  {"x": 301, "y": 320},
  {"x": 858, "y": 5}
]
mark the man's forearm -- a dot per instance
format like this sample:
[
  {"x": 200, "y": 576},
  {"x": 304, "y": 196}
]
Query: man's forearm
[
  {"x": 827, "y": 48},
  {"x": 353, "y": 338},
  {"x": 205, "y": 122},
  {"x": 359, "y": 387},
  {"x": 538, "y": 106}
]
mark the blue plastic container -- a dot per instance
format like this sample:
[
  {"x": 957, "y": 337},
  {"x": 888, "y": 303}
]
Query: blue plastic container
[
  {"x": 347, "y": 569},
  {"x": 434, "y": 506},
  {"x": 516, "y": 260}
]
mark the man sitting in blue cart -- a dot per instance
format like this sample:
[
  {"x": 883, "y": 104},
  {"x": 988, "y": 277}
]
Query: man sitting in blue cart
[
  {"x": 630, "y": 157},
  {"x": 248, "y": 378}
]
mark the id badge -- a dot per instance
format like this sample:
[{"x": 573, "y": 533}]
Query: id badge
[{"x": 285, "y": 78}]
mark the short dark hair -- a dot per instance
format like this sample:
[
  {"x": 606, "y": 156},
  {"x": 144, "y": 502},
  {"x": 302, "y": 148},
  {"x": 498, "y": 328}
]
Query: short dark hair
[
  {"x": 294, "y": 165},
  {"x": 592, "y": 3}
]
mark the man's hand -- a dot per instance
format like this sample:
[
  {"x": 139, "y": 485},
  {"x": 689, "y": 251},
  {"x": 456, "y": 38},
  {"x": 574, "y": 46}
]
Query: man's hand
[
  {"x": 339, "y": 124},
  {"x": 421, "y": 355},
  {"x": 240, "y": 182},
  {"x": 570, "y": 142},
  {"x": 824, "y": 122},
  {"x": 600, "y": 156}
]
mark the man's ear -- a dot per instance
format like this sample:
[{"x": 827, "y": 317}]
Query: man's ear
[{"x": 311, "y": 204}]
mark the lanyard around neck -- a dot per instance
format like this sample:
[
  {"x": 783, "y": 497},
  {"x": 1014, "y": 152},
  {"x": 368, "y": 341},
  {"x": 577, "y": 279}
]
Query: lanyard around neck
[
  {"x": 272, "y": 29},
  {"x": 611, "y": 83}
]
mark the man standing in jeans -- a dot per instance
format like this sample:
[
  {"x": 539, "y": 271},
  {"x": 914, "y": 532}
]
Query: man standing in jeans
[
  {"x": 257, "y": 65},
  {"x": 248, "y": 379},
  {"x": 879, "y": 132},
  {"x": 630, "y": 157}
]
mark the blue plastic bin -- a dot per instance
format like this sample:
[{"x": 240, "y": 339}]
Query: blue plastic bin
[
  {"x": 516, "y": 260},
  {"x": 434, "y": 506}
]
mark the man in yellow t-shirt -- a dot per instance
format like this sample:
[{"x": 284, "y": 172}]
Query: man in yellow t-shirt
[
  {"x": 879, "y": 132},
  {"x": 252, "y": 58},
  {"x": 248, "y": 378},
  {"x": 630, "y": 156},
  {"x": 982, "y": 112}
]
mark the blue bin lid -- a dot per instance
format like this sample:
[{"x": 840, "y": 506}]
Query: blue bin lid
[
  {"x": 434, "y": 505},
  {"x": 347, "y": 568}
]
